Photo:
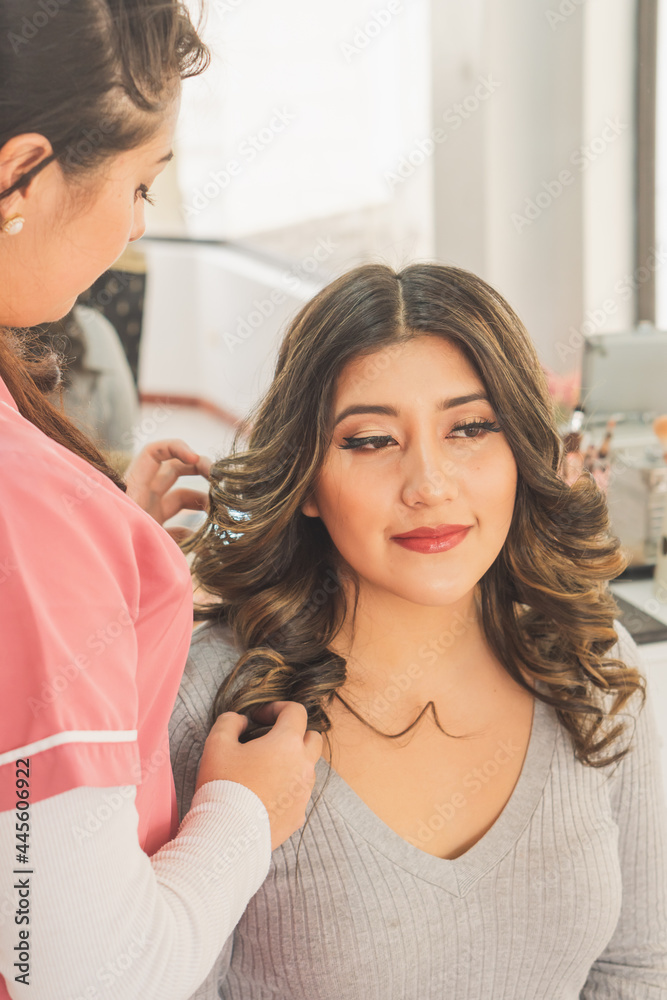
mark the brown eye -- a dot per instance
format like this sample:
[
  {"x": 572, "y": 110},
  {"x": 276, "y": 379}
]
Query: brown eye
[{"x": 479, "y": 426}]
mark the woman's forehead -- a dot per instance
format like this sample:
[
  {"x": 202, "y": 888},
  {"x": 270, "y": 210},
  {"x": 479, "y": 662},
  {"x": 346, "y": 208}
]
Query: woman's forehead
[{"x": 408, "y": 365}]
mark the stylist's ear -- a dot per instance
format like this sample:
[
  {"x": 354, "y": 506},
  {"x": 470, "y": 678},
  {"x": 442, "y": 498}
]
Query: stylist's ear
[
  {"x": 19, "y": 155},
  {"x": 310, "y": 508}
]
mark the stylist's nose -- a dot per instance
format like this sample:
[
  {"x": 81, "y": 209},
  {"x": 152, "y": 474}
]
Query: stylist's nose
[
  {"x": 429, "y": 474},
  {"x": 138, "y": 231},
  {"x": 139, "y": 226}
]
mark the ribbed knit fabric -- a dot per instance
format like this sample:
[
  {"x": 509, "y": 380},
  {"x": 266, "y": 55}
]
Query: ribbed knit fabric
[
  {"x": 109, "y": 923},
  {"x": 564, "y": 897}
]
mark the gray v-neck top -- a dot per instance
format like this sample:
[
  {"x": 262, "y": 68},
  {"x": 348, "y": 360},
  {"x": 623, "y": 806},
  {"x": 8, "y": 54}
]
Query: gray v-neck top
[{"x": 564, "y": 897}]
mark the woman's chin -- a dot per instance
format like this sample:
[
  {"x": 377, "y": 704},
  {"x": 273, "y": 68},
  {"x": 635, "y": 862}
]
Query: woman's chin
[{"x": 431, "y": 597}]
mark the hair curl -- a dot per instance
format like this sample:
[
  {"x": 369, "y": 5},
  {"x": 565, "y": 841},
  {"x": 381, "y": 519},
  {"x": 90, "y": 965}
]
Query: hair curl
[{"x": 545, "y": 608}]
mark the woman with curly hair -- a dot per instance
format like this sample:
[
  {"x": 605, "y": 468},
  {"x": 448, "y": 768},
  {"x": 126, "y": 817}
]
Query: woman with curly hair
[{"x": 395, "y": 549}]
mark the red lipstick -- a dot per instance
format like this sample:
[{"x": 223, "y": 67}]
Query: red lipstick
[{"x": 437, "y": 539}]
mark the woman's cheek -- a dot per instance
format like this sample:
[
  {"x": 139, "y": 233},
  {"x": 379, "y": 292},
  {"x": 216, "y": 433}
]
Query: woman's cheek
[{"x": 502, "y": 488}]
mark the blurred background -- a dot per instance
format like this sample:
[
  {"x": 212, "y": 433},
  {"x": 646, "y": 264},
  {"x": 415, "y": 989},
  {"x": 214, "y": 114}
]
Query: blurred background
[{"x": 525, "y": 140}]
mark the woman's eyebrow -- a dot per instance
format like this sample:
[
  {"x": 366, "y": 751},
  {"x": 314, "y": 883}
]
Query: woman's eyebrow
[{"x": 391, "y": 411}]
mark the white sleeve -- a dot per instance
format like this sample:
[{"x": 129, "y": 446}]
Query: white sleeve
[{"x": 109, "y": 923}]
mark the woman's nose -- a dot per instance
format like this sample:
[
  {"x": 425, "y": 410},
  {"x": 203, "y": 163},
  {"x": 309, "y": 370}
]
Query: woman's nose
[{"x": 430, "y": 476}]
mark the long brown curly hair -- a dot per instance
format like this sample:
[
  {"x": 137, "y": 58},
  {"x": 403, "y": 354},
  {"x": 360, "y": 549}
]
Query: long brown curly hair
[{"x": 273, "y": 573}]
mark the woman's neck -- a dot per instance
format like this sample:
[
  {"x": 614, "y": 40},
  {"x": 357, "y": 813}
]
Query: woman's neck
[{"x": 401, "y": 656}]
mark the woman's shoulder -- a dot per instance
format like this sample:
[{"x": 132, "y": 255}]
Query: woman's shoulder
[
  {"x": 636, "y": 717},
  {"x": 213, "y": 649},
  {"x": 212, "y": 656},
  {"x": 627, "y": 650}
]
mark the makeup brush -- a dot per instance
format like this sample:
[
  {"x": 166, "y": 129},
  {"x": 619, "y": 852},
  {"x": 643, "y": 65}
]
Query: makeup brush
[
  {"x": 590, "y": 457},
  {"x": 603, "y": 450},
  {"x": 660, "y": 431}
]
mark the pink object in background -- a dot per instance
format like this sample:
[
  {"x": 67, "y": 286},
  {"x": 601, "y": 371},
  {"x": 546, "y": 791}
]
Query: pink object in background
[
  {"x": 564, "y": 389},
  {"x": 601, "y": 476}
]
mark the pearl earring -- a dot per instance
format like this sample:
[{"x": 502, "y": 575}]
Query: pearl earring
[{"x": 13, "y": 226}]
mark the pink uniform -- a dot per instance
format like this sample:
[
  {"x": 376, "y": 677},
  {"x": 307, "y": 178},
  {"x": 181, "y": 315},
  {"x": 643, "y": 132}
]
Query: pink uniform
[{"x": 95, "y": 625}]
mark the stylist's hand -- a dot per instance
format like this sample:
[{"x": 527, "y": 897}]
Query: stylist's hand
[
  {"x": 278, "y": 767},
  {"x": 154, "y": 471}
]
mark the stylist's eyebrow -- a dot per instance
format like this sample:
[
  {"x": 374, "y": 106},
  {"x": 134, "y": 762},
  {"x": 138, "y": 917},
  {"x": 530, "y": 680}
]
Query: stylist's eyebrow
[
  {"x": 167, "y": 158},
  {"x": 391, "y": 411}
]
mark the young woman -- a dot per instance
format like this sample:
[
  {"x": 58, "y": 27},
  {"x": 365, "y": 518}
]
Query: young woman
[
  {"x": 99, "y": 896},
  {"x": 396, "y": 550}
]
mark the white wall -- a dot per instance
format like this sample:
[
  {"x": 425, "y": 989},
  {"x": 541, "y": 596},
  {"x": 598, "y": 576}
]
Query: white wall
[
  {"x": 535, "y": 190},
  {"x": 508, "y": 149},
  {"x": 303, "y": 111},
  {"x": 213, "y": 321}
]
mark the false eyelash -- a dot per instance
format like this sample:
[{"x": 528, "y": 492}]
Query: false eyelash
[
  {"x": 358, "y": 442},
  {"x": 143, "y": 191},
  {"x": 487, "y": 425},
  {"x": 353, "y": 442}
]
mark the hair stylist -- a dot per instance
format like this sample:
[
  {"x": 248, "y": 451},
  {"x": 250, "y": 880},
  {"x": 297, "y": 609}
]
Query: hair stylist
[{"x": 100, "y": 897}]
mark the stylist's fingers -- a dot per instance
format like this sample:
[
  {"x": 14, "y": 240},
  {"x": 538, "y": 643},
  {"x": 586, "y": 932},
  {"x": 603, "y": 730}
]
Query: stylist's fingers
[
  {"x": 147, "y": 462},
  {"x": 229, "y": 726},
  {"x": 267, "y": 714},
  {"x": 169, "y": 473},
  {"x": 204, "y": 467},
  {"x": 179, "y": 534},
  {"x": 221, "y": 750},
  {"x": 183, "y": 499},
  {"x": 292, "y": 717}
]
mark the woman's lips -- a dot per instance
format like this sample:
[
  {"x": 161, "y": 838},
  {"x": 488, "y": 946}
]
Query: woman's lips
[{"x": 431, "y": 542}]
